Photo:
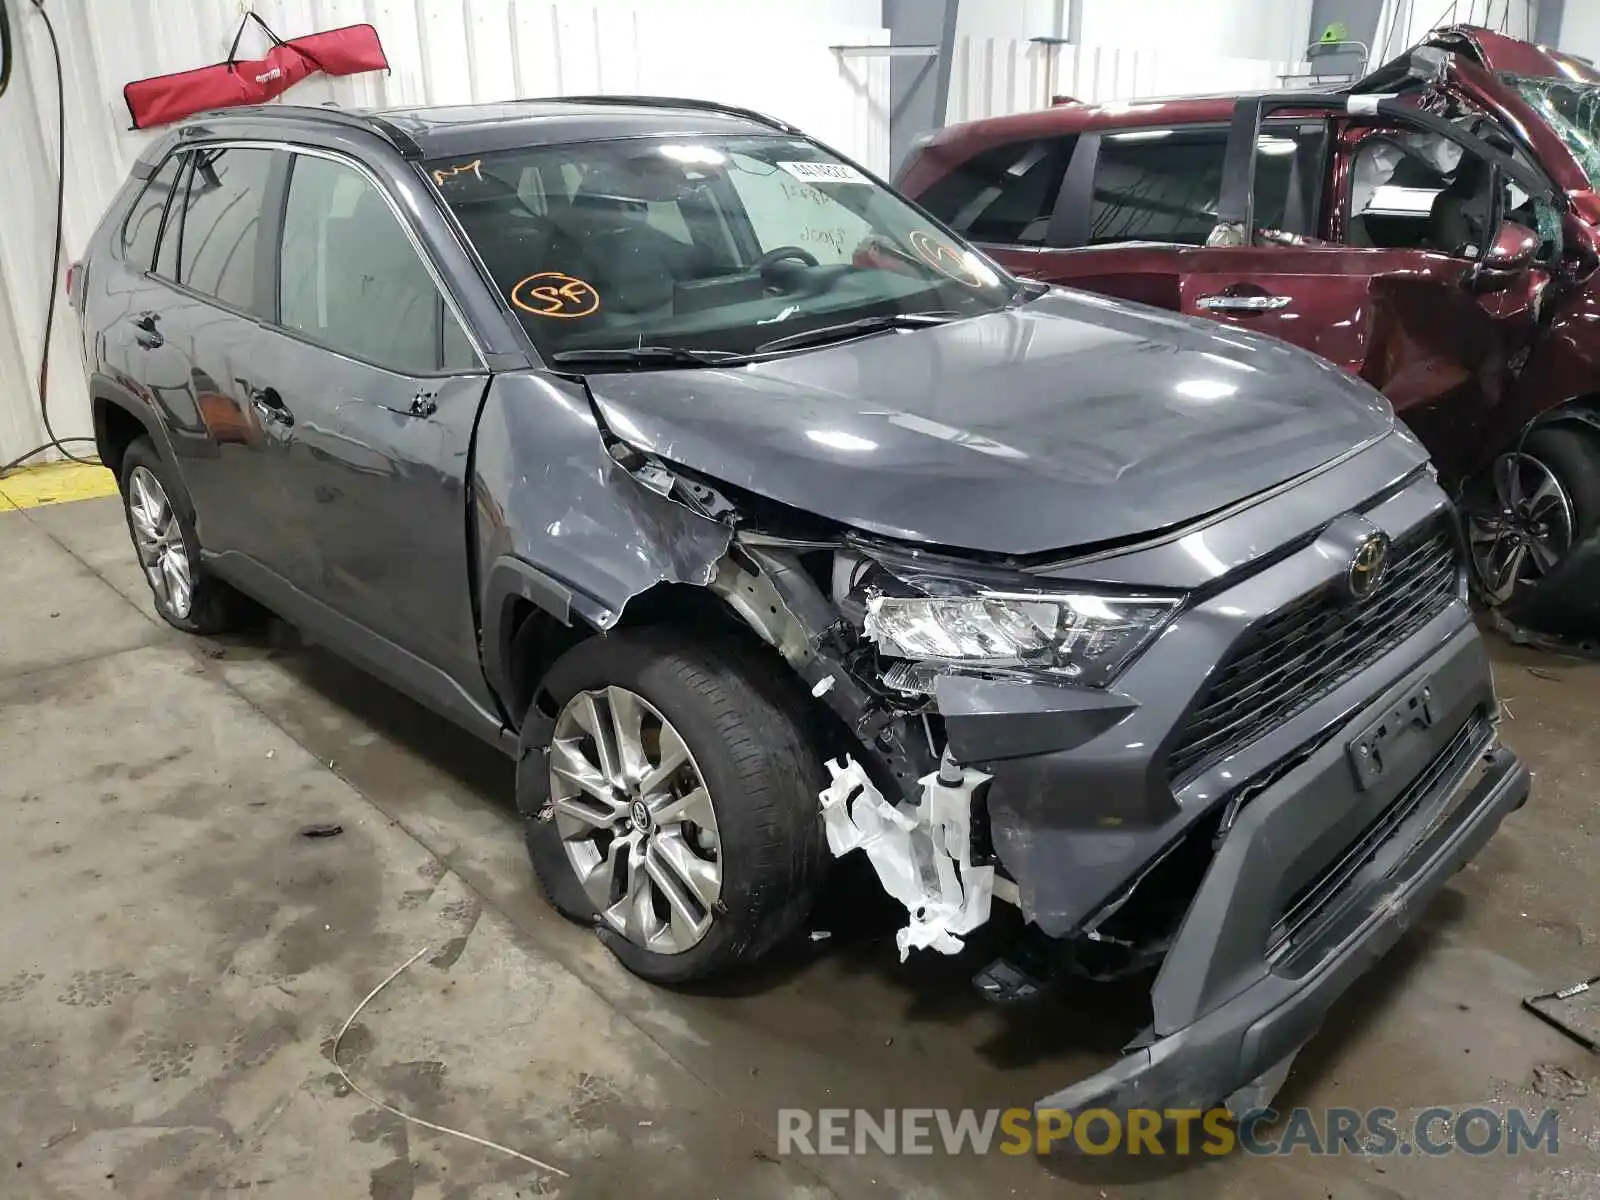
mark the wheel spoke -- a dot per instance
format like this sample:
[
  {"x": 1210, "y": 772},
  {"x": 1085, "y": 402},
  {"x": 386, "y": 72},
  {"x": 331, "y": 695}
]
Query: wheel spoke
[
  {"x": 689, "y": 923},
  {"x": 176, "y": 568},
  {"x": 596, "y": 722},
  {"x": 673, "y": 755},
  {"x": 692, "y": 806},
  {"x": 568, "y": 761},
  {"x": 702, "y": 878},
  {"x": 144, "y": 508},
  {"x": 1543, "y": 556},
  {"x": 1547, "y": 492},
  {"x": 600, "y": 879},
  {"x": 636, "y": 910},
  {"x": 1512, "y": 569},
  {"x": 627, "y": 720},
  {"x": 582, "y": 809}
]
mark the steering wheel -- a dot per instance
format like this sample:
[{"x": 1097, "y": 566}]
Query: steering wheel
[{"x": 780, "y": 254}]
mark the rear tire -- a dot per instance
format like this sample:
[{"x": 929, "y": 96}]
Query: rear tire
[
  {"x": 187, "y": 596},
  {"x": 1537, "y": 502},
  {"x": 761, "y": 840}
]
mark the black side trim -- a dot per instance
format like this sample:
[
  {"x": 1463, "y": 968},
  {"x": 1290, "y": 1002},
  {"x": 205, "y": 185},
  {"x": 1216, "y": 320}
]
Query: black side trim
[
  {"x": 420, "y": 680},
  {"x": 508, "y": 580}
]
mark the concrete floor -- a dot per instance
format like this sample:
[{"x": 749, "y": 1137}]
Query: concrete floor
[{"x": 174, "y": 959}]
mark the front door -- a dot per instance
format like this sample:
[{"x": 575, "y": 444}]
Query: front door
[
  {"x": 377, "y": 388},
  {"x": 1395, "y": 291}
]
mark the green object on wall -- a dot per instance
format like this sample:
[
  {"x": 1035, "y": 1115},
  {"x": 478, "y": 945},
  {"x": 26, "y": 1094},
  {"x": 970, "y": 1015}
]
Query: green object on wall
[{"x": 1336, "y": 33}]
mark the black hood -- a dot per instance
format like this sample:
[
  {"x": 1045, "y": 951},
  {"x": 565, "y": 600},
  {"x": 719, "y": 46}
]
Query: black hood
[{"x": 1069, "y": 421}]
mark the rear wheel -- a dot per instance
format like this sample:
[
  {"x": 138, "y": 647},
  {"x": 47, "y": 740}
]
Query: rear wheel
[
  {"x": 186, "y": 595},
  {"x": 671, "y": 802},
  {"x": 1534, "y": 505}
]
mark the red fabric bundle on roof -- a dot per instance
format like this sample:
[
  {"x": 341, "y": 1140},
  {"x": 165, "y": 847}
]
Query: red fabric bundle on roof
[{"x": 167, "y": 98}]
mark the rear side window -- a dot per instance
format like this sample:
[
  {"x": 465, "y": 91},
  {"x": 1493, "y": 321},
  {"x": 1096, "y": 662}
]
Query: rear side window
[
  {"x": 1005, "y": 193},
  {"x": 222, "y": 199},
  {"x": 353, "y": 281},
  {"x": 1165, "y": 185},
  {"x": 1158, "y": 185},
  {"x": 143, "y": 225}
]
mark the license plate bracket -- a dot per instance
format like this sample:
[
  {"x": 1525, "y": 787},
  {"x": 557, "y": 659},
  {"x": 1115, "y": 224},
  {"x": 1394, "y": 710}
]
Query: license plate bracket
[{"x": 1370, "y": 751}]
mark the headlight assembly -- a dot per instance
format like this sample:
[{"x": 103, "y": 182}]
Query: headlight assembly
[{"x": 1082, "y": 637}]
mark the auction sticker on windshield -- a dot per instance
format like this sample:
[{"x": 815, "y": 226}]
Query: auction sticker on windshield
[
  {"x": 824, "y": 172},
  {"x": 554, "y": 294},
  {"x": 945, "y": 258}
]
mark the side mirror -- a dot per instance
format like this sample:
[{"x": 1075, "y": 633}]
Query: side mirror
[
  {"x": 5, "y": 48},
  {"x": 1510, "y": 255}
]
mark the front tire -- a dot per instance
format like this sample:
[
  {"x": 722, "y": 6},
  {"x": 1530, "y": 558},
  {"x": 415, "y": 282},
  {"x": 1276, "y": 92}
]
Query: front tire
[
  {"x": 669, "y": 795},
  {"x": 186, "y": 595},
  {"x": 1537, "y": 502}
]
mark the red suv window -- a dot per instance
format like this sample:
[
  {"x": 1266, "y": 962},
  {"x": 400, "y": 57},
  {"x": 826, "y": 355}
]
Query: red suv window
[{"x": 1005, "y": 193}]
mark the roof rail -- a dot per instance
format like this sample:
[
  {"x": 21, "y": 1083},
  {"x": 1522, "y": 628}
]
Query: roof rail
[
  {"x": 731, "y": 110},
  {"x": 323, "y": 114}
]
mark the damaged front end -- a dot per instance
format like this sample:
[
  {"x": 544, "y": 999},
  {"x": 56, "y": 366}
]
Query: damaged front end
[{"x": 1250, "y": 784}]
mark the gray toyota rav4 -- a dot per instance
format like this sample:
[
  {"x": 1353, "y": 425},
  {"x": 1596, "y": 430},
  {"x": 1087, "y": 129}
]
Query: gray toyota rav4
[{"x": 763, "y": 520}]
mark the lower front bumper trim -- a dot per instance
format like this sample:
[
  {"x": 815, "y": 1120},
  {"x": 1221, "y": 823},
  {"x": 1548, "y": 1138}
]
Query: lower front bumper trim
[{"x": 1242, "y": 1039}]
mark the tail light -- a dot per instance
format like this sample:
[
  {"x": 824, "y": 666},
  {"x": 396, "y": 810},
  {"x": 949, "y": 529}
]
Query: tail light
[{"x": 74, "y": 279}]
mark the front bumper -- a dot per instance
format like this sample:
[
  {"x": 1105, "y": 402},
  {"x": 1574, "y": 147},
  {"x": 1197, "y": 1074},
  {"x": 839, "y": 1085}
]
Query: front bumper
[
  {"x": 1245, "y": 1036},
  {"x": 1327, "y": 858}
]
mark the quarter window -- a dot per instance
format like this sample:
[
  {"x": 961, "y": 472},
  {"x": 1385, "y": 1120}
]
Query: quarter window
[
  {"x": 351, "y": 279},
  {"x": 216, "y": 238},
  {"x": 143, "y": 226},
  {"x": 1005, "y": 193}
]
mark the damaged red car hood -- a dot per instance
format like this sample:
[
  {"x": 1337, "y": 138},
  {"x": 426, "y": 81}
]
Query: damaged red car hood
[
  {"x": 1501, "y": 53},
  {"x": 1069, "y": 421}
]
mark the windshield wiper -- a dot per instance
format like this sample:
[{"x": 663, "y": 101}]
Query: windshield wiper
[
  {"x": 854, "y": 329},
  {"x": 647, "y": 356}
]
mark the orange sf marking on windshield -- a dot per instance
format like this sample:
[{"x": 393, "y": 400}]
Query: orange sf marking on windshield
[
  {"x": 441, "y": 175},
  {"x": 552, "y": 294},
  {"x": 945, "y": 258}
]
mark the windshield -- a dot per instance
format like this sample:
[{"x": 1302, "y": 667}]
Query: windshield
[
  {"x": 716, "y": 244},
  {"x": 1573, "y": 111}
]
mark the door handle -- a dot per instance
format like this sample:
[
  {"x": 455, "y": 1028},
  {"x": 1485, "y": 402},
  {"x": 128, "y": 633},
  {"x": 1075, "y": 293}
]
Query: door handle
[
  {"x": 1243, "y": 304},
  {"x": 148, "y": 335},
  {"x": 271, "y": 406}
]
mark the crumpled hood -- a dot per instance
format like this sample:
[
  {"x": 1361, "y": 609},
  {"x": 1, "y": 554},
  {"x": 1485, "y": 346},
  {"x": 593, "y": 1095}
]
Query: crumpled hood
[{"x": 1069, "y": 421}]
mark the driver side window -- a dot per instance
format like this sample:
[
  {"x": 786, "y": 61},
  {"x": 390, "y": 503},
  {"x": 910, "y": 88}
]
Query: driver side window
[
  {"x": 1412, "y": 190},
  {"x": 783, "y": 211}
]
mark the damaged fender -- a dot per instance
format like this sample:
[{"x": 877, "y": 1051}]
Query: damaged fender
[
  {"x": 600, "y": 533},
  {"x": 922, "y": 852}
]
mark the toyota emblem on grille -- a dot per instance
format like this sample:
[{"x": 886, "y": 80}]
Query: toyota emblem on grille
[{"x": 1367, "y": 567}]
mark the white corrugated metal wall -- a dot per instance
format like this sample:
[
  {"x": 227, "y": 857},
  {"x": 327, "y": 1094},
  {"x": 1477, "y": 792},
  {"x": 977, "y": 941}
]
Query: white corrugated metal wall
[
  {"x": 771, "y": 56},
  {"x": 992, "y": 77}
]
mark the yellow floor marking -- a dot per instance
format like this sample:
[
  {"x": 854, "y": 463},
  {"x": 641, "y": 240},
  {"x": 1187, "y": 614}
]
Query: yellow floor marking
[{"x": 55, "y": 483}]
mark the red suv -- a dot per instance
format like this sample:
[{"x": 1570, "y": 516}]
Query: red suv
[{"x": 1434, "y": 229}]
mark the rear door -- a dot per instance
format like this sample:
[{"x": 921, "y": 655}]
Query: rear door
[
  {"x": 188, "y": 333},
  {"x": 1394, "y": 291},
  {"x": 1129, "y": 203}
]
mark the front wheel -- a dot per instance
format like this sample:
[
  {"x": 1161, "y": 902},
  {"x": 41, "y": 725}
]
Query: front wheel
[
  {"x": 669, "y": 792},
  {"x": 1534, "y": 505}
]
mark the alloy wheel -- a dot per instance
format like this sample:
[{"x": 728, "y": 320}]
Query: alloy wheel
[
  {"x": 1523, "y": 529},
  {"x": 636, "y": 819},
  {"x": 159, "y": 539}
]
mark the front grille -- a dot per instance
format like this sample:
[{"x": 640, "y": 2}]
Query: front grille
[
  {"x": 1306, "y": 904},
  {"x": 1295, "y": 657}
]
